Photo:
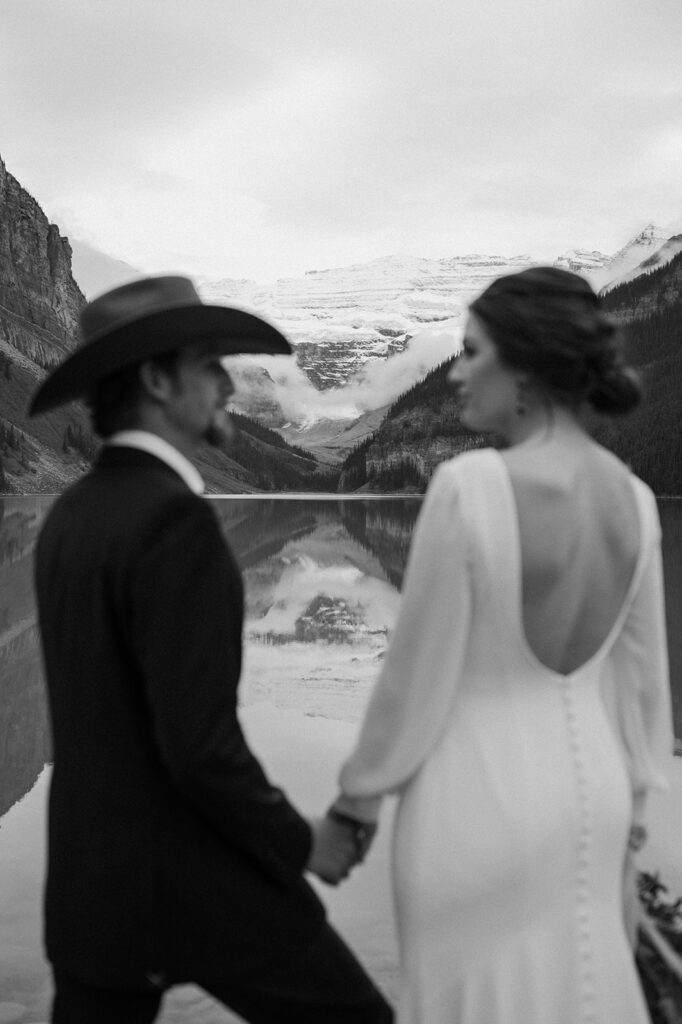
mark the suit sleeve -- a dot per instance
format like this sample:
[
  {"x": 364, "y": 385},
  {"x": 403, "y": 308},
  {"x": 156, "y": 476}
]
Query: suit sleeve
[
  {"x": 187, "y": 620},
  {"x": 413, "y": 696}
]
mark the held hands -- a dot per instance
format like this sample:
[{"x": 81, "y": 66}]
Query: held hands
[
  {"x": 632, "y": 907},
  {"x": 339, "y": 843}
]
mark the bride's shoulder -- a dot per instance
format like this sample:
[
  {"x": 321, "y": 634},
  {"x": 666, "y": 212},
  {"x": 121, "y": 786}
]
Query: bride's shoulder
[
  {"x": 462, "y": 470},
  {"x": 563, "y": 462},
  {"x": 464, "y": 480},
  {"x": 468, "y": 461}
]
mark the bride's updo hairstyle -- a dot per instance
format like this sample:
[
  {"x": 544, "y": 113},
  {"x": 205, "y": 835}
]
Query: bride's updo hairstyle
[{"x": 549, "y": 323}]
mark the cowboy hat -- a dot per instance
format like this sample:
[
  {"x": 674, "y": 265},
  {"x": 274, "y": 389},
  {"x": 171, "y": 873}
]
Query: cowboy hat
[{"x": 140, "y": 320}]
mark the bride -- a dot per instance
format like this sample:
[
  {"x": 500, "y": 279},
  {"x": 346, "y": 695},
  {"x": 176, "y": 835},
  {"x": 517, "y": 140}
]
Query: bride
[{"x": 523, "y": 710}]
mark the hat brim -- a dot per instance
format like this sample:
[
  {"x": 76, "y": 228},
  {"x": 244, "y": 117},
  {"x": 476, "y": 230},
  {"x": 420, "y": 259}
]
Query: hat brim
[{"x": 230, "y": 332}]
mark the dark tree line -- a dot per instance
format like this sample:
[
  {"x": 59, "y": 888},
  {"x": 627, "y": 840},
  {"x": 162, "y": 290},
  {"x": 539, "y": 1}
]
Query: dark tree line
[
  {"x": 78, "y": 439},
  {"x": 399, "y": 475},
  {"x": 9, "y": 436},
  {"x": 354, "y": 469},
  {"x": 654, "y": 285},
  {"x": 268, "y": 436},
  {"x": 650, "y": 439},
  {"x": 273, "y": 464},
  {"x": 426, "y": 411}
]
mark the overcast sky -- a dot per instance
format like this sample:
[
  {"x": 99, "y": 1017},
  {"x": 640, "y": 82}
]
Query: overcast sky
[{"x": 262, "y": 138}]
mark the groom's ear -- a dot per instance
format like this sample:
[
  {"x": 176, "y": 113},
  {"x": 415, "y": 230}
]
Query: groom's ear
[{"x": 156, "y": 381}]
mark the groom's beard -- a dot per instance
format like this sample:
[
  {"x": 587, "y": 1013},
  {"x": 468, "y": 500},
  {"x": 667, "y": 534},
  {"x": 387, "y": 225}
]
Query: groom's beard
[{"x": 220, "y": 430}]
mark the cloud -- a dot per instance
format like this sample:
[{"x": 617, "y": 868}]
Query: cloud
[
  {"x": 380, "y": 382},
  {"x": 267, "y": 138}
]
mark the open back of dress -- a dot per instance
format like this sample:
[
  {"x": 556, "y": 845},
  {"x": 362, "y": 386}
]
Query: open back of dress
[{"x": 579, "y": 534}]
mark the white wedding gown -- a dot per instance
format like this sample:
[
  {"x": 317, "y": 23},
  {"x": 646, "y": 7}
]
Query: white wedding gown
[{"x": 516, "y": 783}]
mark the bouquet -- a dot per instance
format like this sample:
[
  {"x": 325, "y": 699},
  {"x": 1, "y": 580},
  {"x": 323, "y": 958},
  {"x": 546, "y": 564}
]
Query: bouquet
[{"x": 659, "y": 950}]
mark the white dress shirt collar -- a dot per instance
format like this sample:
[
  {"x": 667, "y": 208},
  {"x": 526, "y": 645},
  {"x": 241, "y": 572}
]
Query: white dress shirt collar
[{"x": 145, "y": 441}]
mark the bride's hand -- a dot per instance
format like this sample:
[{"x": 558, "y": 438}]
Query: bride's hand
[
  {"x": 334, "y": 850},
  {"x": 632, "y": 908}
]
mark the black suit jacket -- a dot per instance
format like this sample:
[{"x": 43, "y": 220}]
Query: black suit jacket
[{"x": 169, "y": 850}]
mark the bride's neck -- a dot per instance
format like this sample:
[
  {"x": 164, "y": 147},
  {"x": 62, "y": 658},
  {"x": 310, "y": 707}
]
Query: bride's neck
[{"x": 545, "y": 422}]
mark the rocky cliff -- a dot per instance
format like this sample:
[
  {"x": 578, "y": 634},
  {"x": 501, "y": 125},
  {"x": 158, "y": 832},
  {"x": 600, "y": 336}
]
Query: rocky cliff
[
  {"x": 39, "y": 304},
  {"x": 24, "y": 729},
  {"x": 39, "y": 298}
]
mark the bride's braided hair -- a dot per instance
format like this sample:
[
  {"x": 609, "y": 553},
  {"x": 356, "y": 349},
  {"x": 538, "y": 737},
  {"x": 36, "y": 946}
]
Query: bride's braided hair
[{"x": 549, "y": 323}]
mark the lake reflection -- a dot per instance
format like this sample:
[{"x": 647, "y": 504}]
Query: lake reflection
[
  {"x": 322, "y": 580},
  {"x": 322, "y": 583}
]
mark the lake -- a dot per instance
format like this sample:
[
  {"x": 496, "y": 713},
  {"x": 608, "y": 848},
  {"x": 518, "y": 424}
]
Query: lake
[{"x": 322, "y": 579}]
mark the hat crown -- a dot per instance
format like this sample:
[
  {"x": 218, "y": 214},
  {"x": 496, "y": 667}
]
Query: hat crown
[{"x": 135, "y": 301}]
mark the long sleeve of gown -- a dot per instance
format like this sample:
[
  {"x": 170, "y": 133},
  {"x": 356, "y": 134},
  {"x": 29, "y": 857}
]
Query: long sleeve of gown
[
  {"x": 413, "y": 695},
  {"x": 641, "y": 682}
]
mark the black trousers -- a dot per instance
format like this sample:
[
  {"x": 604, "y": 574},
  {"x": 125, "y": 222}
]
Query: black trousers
[{"x": 324, "y": 985}]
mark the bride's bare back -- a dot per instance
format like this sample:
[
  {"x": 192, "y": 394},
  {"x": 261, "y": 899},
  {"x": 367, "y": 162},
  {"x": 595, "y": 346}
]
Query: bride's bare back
[{"x": 579, "y": 538}]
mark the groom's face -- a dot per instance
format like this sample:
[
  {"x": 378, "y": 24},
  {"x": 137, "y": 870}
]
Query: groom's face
[{"x": 199, "y": 392}]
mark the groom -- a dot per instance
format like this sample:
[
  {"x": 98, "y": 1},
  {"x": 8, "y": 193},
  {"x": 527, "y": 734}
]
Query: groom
[{"x": 171, "y": 857}]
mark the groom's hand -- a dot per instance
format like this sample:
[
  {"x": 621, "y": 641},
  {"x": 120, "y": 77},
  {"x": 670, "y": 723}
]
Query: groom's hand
[
  {"x": 363, "y": 831},
  {"x": 334, "y": 851}
]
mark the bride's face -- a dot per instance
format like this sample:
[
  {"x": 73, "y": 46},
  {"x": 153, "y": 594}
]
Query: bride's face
[{"x": 487, "y": 388}]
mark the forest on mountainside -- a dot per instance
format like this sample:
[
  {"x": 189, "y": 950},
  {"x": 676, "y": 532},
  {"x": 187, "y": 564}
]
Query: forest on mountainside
[
  {"x": 273, "y": 464},
  {"x": 650, "y": 439},
  {"x": 421, "y": 428}
]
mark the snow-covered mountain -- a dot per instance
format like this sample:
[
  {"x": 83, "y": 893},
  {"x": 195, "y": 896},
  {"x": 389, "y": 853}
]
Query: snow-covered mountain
[
  {"x": 340, "y": 319},
  {"x": 637, "y": 251},
  {"x": 658, "y": 258},
  {"x": 343, "y": 319},
  {"x": 364, "y": 333},
  {"x": 643, "y": 252},
  {"x": 589, "y": 263}
]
